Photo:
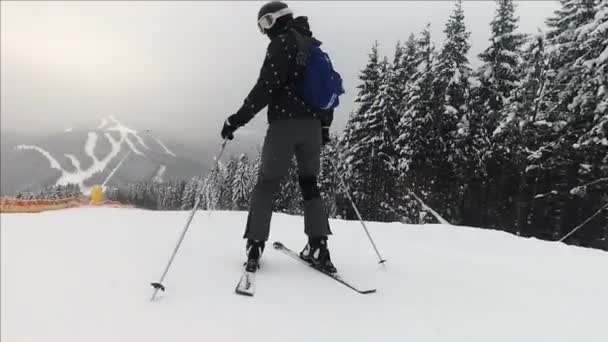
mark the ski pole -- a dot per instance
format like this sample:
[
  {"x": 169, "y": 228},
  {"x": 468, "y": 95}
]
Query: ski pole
[
  {"x": 347, "y": 191},
  {"x": 159, "y": 285}
]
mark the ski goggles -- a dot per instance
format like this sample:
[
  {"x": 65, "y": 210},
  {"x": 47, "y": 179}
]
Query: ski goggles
[{"x": 268, "y": 20}]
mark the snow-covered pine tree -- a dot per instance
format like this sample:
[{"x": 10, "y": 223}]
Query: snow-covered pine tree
[
  {"x": 498, "y": 76},
  {"x": 381, "y": 126},
  {"x": 564, "y": 50},
  {"x": 397, "y": 63},
  {"x": 405, "y": 67},
  {"x": 161, "y": 199},
  {"x": 329, "y": 183},
  {"x": 405, "y": 208},
  {"x": 524, "y": 103},
  {"x": 150, "y": 195},
  {"x": 288, "y": 199},
  {"x": 572, "y": 15},
  {"x": 413, "y": 124},
  {"x": 28, "y": 195},
  {"x": 450, "y": 101},
  {"x": 131, "y": 195},
  {"x": 452, "y": 70},
  {"x": 177, "y": 194},
  {"x": 517, "y": 132},
  {"x": 417, "y": 143},
  {"x": 242, "y": 184},
  {"x": 356, "y": 154},
  {"x": 227, "y": 192},
  {"x": 590, "y": 97},
  {"x": 164, "y": 190},
  {"x": 224, "y": 183},
  {"x": 211, "y": 190},
  {"x": 500, "y": 71},
  {"x": 573, "y": 148},
  {"x": 370, "y": 82},
  {"x": 189, "y": 194},
  {"x": 58, "y": 192}
]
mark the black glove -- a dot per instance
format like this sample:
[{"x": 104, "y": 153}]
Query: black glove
[
  {"x": 228, "y": 130},
  {"x": 325, "y": 135}
]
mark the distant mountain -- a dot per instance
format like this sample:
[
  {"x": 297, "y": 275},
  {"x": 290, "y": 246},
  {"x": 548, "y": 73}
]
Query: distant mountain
[{"x": 86, "y": 156}]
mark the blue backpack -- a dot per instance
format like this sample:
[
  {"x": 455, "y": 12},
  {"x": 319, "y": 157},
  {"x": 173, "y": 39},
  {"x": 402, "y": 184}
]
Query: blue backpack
[{"x": 320, "y": 86}]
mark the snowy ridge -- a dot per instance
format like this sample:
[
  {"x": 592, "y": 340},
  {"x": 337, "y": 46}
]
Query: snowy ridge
[
  {"x": 103, "y": 123},
  {"x": 128, "y": 138},
  {"x": 440, "y": 283},
  {"x": 124, "y": 130}
]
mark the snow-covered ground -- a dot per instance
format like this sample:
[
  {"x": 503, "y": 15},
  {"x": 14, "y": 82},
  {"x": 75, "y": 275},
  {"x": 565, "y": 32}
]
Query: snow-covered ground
[{"x": 83, "y": 275}]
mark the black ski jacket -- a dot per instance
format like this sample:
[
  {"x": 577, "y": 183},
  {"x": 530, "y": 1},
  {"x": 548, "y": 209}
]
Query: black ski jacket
[{"x": 284, "y": 64}]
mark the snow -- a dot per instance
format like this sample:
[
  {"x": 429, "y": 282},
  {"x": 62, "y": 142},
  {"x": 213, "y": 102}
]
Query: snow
[
  {"x": 552, "y": 192},
  {"x": 80, "y": 175},
  {"x": 125, "y": 132},
  {"x": 103, "y": 123},
  {"x": 584, "y": 30},
  {"x": 164, "y": 147},
  {"x": 429, "y": 209},
  {"x": 127, "y": 136},
  {"x": 75, "y": 162},
  {"x": 83, "y": 275},
  {"x": 111, "y": 124},
  {"x": 506, "y": 66},
  {"x": 422, "y": 67},
  {"x": 506, "y": 121},
  {"x": 603, "y": 56},
  {"x": 532, "y": 167},
  {"x": 450, "y": 110},
  {"x": 158, "y": 178},
  {"x": 601, "y": 29},
  {"x": 508, "y": 53},
  {"x": 52, "y": 161},
  {"x": 456, "y": 77},
  {"x": 89, "y": 146},
  {"x": 131, "y": 145},
  {"x": 488, "y": 72}
]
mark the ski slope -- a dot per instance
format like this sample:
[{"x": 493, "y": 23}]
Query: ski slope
[
  {"x": 83, "y": 275},
  {"x": 128, "y": 139}
]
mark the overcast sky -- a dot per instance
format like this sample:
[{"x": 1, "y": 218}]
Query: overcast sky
[{"x": 179, "y": 68}]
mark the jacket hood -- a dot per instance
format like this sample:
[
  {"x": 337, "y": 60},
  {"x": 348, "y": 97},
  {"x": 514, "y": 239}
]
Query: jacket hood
[{"x": 301, "y": 26}]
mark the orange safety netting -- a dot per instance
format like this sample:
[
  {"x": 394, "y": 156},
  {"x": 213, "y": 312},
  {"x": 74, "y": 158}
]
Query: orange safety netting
[{"x": 14, "y": 205}]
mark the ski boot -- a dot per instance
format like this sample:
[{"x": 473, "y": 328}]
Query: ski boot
[
  {"x": 254, "y": 251},
  {"x": 316, "y": 253}
]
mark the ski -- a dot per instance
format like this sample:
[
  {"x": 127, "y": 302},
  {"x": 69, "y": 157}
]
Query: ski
[
  {"x": 281, "y": 248},
  {"x": 246, "y": 285}
]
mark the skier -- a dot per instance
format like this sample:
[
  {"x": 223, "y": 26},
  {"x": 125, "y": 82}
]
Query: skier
[{"x": 295, "y": 127}]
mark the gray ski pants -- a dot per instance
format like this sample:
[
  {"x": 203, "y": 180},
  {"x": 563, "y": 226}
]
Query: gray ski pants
[{"x": 285, "y": 138}]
